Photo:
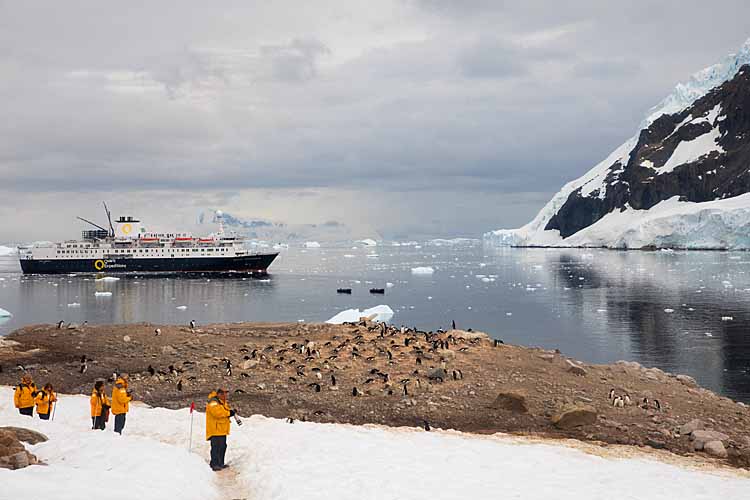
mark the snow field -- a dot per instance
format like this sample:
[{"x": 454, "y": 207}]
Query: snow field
[{"x": 274, "y": 460}]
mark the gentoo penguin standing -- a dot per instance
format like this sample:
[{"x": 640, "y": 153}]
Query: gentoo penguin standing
[
  {"x": 426, "y": 425},
  {"x": 355, "y": 392},
  {"x": 60, "y": 324},
  {"x": 151, "y": 370},
  {"x": 612, "y": 394},
  {"x": 179, "y": 385},
  {"x": 333, "y": 379},
  {"x": 192, "y": 324},
  {"x": 228, "y": 368},
  {"x": 626, "y": 399},
  {"x": 657, "y": 405},
  {"x": 157, "y": 332},
  {"x": 618, "y": 402},
  {"x": 84, "y": 365}
]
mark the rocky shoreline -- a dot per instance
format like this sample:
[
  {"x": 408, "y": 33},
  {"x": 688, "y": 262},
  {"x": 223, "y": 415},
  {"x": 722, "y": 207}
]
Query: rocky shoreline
[{"x": 368, "y": 373}]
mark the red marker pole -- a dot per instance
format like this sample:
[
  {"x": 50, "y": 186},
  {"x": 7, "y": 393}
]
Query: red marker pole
[{"x": 190, "y": 440}]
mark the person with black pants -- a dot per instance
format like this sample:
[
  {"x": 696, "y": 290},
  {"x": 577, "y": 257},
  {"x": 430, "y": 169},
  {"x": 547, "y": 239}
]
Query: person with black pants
[
  {"x": 217, "y": 426},
  {"x": 120, "y": 402},
  {"x": 99, "y": 406},
  {"x": 45, "y": 401},
  {"x": 24, "y": 396}
]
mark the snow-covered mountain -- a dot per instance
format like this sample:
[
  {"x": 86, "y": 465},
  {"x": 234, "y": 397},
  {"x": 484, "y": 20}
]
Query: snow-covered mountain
[
  {"x": 683, "y": 181},
  {"x": 267, "y": 230}
]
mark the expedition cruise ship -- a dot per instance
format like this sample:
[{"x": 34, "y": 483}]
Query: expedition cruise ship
[{"x": 126, "y": 247}]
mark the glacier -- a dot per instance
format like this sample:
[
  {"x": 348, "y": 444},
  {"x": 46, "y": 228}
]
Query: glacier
[{"x": 668, "y": 224}]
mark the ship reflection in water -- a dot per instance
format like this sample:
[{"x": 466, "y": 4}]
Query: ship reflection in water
[{"x": 681, "y": 312}]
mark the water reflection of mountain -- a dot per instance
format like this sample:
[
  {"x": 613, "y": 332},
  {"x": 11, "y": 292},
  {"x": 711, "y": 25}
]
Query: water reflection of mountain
[{"x": 668, "y": 308}]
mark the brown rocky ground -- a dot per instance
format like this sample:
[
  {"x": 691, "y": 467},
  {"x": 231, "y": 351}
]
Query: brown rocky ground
[{"x": 485, "y": 388}]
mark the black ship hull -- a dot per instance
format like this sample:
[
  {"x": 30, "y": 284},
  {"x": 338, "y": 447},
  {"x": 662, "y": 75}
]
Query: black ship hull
[{"x": 254, "y": 264}]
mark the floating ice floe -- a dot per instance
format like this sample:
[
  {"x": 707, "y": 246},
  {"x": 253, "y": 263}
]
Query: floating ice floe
[
  {"x": 4, "y": 313},
  {"x": 102, "y": 294},
  {"x": 422, "y": 270},
  {"x": 108, "y": 278},
  {"x": 368, "y": 242},
  {"x": 389, "y": 285},
  {"x": 381, "y": 313},
  {"x": 668, "y": 310},
  {"x": 74, "y": 304},
  {"x": 349, "y": 256},
  {"x": 727, "y": 318},
  {"x": 181, "y": 308},
  {"x": 312, "y": 244}
]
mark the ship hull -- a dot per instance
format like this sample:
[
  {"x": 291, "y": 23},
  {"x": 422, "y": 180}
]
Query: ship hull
[{"x": 255, "y": 264}]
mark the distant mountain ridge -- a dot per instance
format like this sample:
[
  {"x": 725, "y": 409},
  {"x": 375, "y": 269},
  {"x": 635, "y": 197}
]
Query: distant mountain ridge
[
  {"x": 693, "y": 149},
  {"x": 267, "y": 230}
]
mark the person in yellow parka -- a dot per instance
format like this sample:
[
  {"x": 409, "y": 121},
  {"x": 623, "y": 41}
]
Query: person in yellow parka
[
  {"x": 217, "y": 426},
  {"x": 45, "y": 401},
  {"x": 99, "y": 406},
  {"x": 121, "y": 399},
  {"x": 23, "y": 398}
]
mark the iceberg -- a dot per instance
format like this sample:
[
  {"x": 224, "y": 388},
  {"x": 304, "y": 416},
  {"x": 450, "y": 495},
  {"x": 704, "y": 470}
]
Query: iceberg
[
  {"x": 422, "y": 270},
  {"x": 4, "y": 251},
  {"x": 381, "y": 313},
  {"x": 4, "y": 313}
]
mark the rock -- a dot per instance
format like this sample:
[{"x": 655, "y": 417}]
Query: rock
[
  {"x": 575, "y": 369},
  {"x": 168, "y": 349},
  {"x": 249, "y": 363},
  {"x": 687, "y": 380},
  {"x": 437, "y": 373},
  {"x": 715, "y": 449},
  {"x": 574, "y": 416},
  {"x": 511, "y": 401},
  {"x": 691, "y": 426},
  {"x": 25, "y": 435},
  {"x": 705, "y": 436},
  {"x": 261, "y": 386},
  {"x": 126, "y": 338},
  {"x": 12, "y": 453},
  {"x": 463, "y": 334},
  {"x": 630, "y": 365},
  {"x": 546, "y": 357}
]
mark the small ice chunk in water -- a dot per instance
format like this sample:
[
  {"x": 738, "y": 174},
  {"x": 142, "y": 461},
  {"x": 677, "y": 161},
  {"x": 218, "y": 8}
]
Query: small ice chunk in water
[
  {"x": 74, "y": 304},
  {"x": 601, "y": 310},
  {"x": 422, "y": 270},
  {"x": 181, "y": 308},
  {"x": 509, "y": 314},
  {"x": 668, "y": 310},
  {"x": 108, "y": 278},
  {"x": 389, "y": 285},
  {"x": 102, "y": 294},
  {"x": 727, "y": 318},
  {"x": 708, "y": 334}
]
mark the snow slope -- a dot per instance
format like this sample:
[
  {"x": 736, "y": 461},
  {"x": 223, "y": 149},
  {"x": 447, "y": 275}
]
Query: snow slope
[
  {"x": 274, "y": 460},
  {"x": 381, "y": 313},
  {"x": 593, "y": 184}
]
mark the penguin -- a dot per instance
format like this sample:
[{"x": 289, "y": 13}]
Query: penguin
[
  {"x": 498, "y": 342},
  {"x": 419, "y": 360},
  {"x": 426, "y": 425},
  {"x": 333, "y": 379},
  {"x": 626, "y": 399},
  {"x": 289, "y": 420},
  {"x": 390, "y": 355},
  {"x": 657, "y": 405},
  {"x": 179, "y": 385},
  {"x": 151, "y": 370},
  {"x": 84, "y": 365},
  {"x": 369, "y": 381},
  {"x": 618, "y": 402},
  {"x": 172, "y": 371},
  {"x": 244, "y": 375},
  {"x": 319, "y": 375},
  {"x": 644, "y": 403},
  {"x": 355, "y": 392},
  {"x": 60, "y": 324},
  {"x": 612, "y": 394},
  {"x": 453, "y": 324},
  {"x": 314, "y": 386},
  {"x": 21, "y": 368},
  {"x": 228, "y": 368},
  {"x": 239, "y": 391},
  {"x": 157, "y": 332},
  {"x": 406, "y": 392},
  {"x": 192, "y": 324}
]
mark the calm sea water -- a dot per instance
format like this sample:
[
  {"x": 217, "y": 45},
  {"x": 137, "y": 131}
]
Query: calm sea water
[{"x": 682, "y": 312}]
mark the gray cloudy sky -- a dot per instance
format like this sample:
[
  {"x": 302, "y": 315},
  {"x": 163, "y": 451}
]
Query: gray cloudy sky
[{"x": 399, "y": 118}]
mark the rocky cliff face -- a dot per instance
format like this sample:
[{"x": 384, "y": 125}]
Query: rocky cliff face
[
  {"x": 686, "y": 170},
  {"x": 699, "y": 154}
]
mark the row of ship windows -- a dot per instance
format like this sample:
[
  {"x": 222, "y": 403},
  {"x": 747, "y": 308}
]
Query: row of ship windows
[{"x": 147, "y": 250}]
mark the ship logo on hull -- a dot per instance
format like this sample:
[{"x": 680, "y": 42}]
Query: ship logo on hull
[
  {"x": 126, "y": 228},
  {"x": 99, "y": 264}
]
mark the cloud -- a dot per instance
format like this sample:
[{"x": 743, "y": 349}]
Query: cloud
[{"x": 399, "y": 105}]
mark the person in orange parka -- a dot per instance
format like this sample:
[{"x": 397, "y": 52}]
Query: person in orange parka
[
  {"x": 217, "y": 426},
  {"x": 45, "y": 401},
  {"x": 23, "y": 397},
  {"x": 99, "y": 406},
  {"x": 121, "y": 399}
]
